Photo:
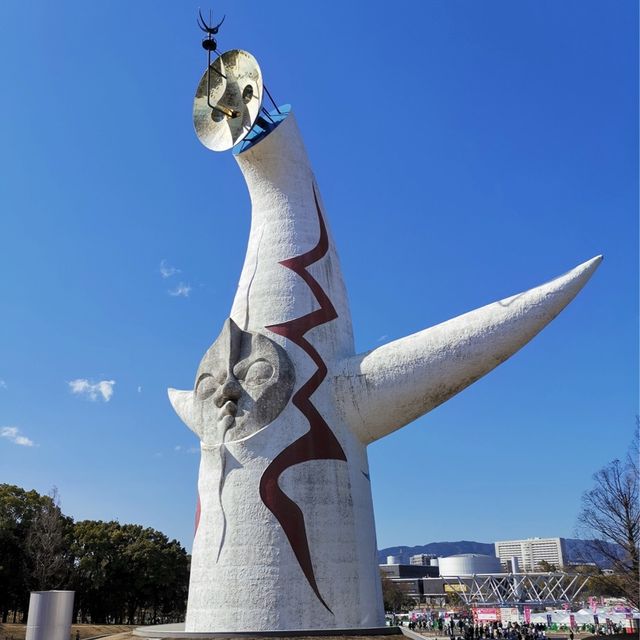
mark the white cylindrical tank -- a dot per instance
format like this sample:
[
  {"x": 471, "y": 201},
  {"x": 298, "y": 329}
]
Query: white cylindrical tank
[
  {"x": 468, "y": 564},
  {"x": 393, "y": 559},
  {"x": 515, "y": 568},
  {"x": 50, "y": 614}
]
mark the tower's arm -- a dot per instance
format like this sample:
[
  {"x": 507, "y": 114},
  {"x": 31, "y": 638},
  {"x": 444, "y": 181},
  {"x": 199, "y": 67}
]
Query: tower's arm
[{"x": 388, "y": 387}]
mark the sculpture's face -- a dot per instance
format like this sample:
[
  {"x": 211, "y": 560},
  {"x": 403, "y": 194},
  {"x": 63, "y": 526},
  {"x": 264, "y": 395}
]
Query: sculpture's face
[{"x": 243, "y": 383}]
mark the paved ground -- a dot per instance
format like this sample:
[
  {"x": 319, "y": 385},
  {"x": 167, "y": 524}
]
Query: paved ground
[
  {"x": 123, "y": 632},
  {"x": 130, "y": 636}
]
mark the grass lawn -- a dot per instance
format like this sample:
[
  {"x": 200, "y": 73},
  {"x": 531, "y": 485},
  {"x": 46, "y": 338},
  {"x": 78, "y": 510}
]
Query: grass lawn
[{"x": 18, "y": 631}]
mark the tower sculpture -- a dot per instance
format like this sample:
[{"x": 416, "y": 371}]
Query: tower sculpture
[{"x": 283, "y": 406}]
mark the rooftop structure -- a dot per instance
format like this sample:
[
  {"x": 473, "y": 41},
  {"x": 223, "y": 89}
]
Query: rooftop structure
[{"x": 422, "y": 559}]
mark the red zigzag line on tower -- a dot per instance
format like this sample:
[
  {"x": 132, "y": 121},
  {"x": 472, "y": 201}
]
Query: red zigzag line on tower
[{"x": 319, "y": 443}]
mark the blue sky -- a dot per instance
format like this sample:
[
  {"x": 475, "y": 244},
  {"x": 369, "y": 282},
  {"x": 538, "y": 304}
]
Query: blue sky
[{"x": 465, "y": 151}]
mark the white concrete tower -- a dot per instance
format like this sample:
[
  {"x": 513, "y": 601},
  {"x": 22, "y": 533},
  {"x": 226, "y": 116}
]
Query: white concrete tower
[{"x": 285, "y": 408}]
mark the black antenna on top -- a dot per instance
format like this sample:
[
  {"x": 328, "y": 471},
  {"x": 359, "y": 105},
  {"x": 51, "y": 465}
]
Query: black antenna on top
[
  {"x": 209, "y": 43},
  {"x": 211, "y": 46}
]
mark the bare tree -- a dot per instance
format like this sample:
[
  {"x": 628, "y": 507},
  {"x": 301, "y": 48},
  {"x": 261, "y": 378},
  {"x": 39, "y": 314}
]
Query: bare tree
[
  {"x": 394, "y": 598},
  {"x": 546, "y": 567},
  {"x": 47, "y": 547},
  {"x": 611, "y": 517}
]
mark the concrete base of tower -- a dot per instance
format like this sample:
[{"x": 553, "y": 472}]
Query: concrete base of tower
[{"x": 177, "y": 632}]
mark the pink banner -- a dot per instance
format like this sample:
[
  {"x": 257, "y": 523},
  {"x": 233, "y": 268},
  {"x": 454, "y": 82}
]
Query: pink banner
[
  {"x": 527, "y": 615},
  {"x": 572, "y": 621},
  {"x": 486, "y": 615}
]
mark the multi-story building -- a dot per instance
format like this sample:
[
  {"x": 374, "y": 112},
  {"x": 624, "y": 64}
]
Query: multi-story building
[
  {"x": 531, "y": 552},
  {"x": 423, "y": 559}
]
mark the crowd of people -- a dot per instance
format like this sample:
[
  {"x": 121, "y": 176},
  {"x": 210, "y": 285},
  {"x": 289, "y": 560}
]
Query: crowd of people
[
  {"x": 470, "y": 630},
  {"x": 467, "y": 629}
]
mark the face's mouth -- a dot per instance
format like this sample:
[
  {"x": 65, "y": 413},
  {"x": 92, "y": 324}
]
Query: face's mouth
[
  {"x": 227, "y": 417},
  {"x": 229, "y": 408}
]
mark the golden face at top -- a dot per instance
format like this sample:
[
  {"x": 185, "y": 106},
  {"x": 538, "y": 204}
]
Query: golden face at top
[{"x": 228, "y": 100}]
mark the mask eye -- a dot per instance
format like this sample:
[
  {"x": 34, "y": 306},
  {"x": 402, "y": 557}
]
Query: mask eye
[
  {"x": 206, "y": 387},
  {"x": 258, "y": 373}
]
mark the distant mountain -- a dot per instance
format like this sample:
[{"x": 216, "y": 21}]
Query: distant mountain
[
  {"x": 577, "y": 551},
  {"x": 582, "y": 551},
  {"x": 441, "y": 549}
]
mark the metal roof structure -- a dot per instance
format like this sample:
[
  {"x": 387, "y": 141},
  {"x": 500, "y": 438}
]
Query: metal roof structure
[
  {"x": 507, "y": 589},
  {"x": 500, "y": 589}
]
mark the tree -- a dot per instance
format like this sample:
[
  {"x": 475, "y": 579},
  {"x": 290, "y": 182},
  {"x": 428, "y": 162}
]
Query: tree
[
  {"x": 47, "y": 547},
  {"x": 394, "y": 598},
  {"x": 453, "y": 598},
  {"x": 598, "y": 584},
  {"x": 547, "y": 567},
  {"x": 611, "y": 516},
  {"x": 128, "y": 573},
  {"x": 18, "y": 510},
  {"x": 120, "y": 572}
]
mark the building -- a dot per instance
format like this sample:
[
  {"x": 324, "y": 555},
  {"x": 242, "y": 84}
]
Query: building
[
  {"x": 401, "y": 571},
  {"x": 531, "y": 552},
  {"x": 423, "y": 559},
  {"x": 468, "y": 564}
]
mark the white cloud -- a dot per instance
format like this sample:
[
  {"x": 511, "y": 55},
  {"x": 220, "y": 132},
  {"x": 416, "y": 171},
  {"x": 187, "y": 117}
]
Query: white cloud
[
  {"x": 180, "y": 448},
  {"x": 182, "y": 290},
  {"x": 139, "y": 389},
  {"x": 92, "y": 391},
  {"x": 13, "y": 435},
  {"x": 3, "y": 384},
  {"x": 381, "y": 338},
  {"x": 166, "y": 270}
]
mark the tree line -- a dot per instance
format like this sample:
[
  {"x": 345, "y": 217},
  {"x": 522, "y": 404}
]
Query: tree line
[{"x": 121, "y": 573}]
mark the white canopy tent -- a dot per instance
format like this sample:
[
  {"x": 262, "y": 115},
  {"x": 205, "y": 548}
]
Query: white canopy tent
[{"x": 584, "y": 616}]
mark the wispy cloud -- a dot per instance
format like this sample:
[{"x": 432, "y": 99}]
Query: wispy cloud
[
  {"x": 179, "y": 448},
  {"x": 139, "y": 389},
  {"x": 3, "y": 384},
  {"x": 102, "y": 390},
  {"x": 182, "y": 290},
  {"x": 381, "y": 338},
  {"x": 166, "y": 270},
  {"x": 13, "y": 435}
]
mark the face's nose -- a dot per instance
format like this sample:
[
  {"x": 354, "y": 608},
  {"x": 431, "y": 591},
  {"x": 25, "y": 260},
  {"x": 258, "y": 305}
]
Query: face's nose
[{"x": 230, "y": 390}]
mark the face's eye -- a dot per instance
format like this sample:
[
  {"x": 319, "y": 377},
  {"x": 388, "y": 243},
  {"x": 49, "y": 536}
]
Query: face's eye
[
  {"x": 257, "y": 374},
  {"x": 206, "y": 387}
]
